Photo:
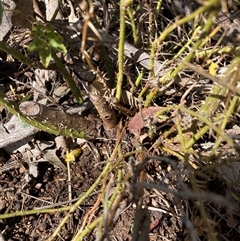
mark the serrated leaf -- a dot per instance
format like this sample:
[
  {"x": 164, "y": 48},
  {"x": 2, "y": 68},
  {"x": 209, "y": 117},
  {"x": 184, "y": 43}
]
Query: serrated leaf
[
  {"x": 36, "y": 44},
  {"x": 45, "y": 55}
]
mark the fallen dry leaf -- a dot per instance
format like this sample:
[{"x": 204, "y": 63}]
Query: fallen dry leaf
[{"x": 139, "y": 120}]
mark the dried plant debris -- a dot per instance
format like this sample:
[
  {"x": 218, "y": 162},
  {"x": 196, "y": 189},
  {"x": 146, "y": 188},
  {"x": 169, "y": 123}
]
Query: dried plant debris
[{"x": 15, "y": 133}]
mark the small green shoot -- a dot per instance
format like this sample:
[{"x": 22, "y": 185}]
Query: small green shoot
[{"x": 46, "y": 40}]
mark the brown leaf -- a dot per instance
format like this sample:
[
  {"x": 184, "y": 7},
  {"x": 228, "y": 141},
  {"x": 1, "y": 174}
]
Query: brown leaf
[{"x": 139, "y": 120}]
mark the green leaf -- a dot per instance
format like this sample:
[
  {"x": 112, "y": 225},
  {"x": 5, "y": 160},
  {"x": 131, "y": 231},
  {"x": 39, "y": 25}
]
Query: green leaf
[
  {"x": 46, "y": 36},
  {"x": 36, "y": 44},
  {"x": 138, "y": 8},
  {"x": 45, "y": 55},
  {"x": 37, "y": 30},
  {"x": 59, "y": 46},
  {"x": 48, "y": 29},
  {"x": 46, "y": 40}
]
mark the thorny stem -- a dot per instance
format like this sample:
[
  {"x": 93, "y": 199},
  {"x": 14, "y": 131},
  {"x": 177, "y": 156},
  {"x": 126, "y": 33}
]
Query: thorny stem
[
  {"x": 86, "y": 195},
  {"x": 225, "y": 120},
  {"x": 32, "y": 212},
  {"x": 158, "y": 8},
  {"x": 133, "y": 25},
  {"x": 119, "y": 181},
  {"x": 151, "y": 96},
  {"x": 79, "y": 202},
  {"x": 179, "y": 22},
  {"x": 206, "y": 121},
  {"x": 49, "y": 128},
  {"x": 121, "y": 50},
  {"x": 202, "y": 118},
  {"x": 202, "y": 210},
  {"x": 88, "y": 229},
  {"x": 123, "y": 6},
  {"x": 229, "y": 110},
  {"x": 87, "y": 125},
  {"x": 207, "y": 27},
  {"x": 139, "y": 78},
  {"x": 188, "y": 44}
]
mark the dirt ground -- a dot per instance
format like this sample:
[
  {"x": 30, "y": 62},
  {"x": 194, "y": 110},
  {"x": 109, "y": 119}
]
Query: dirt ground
[{"x": 167, "y": 215}]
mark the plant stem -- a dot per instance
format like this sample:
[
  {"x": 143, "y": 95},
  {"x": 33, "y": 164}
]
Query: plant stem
[
  {"x": 121, "y": 50},
  {"x": 68, "y": 78},
  {"x": 12, "y": 51}
]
